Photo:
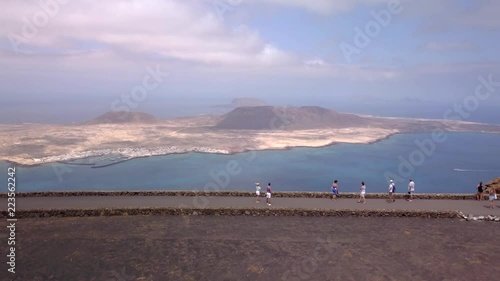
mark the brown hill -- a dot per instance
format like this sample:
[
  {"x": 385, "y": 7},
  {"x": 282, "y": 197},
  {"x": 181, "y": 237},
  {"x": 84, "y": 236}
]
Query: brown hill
[
  {"x": 122, "y": 117},
  {"x": 291, "y": 118}
]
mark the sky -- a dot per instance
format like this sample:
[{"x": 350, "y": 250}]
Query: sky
[{"x": 64, "y": 61}]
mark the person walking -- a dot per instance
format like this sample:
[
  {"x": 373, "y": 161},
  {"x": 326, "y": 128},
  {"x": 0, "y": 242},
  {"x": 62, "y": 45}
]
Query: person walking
[
  {"x": 335, "y": 190},
  {"x": 411, "y": 189},
  {"x": 268, "y": 194},
  {"x": 480, "y": 190},
  {"x": 392, "y": 190},
  {"x": 257, "y": 192},
  {"x": 362, "y": 192},
  {"x": 492, "y": 196}
]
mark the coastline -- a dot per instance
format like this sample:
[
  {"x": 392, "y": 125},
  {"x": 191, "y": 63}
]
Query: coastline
[{"x": 66, "y": 160}]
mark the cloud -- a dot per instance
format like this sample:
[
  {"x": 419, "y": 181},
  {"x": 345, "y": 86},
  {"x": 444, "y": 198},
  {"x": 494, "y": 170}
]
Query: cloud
[
  {"x": 316, "y": 62},
  {"x": 484, "y": 16},
  {"x": 168, "y": 29},
  {"x": 323, "y": 7},
  {"x": 448, "y": 15},
  {"x": 109, "y": 37},
  {"x": 448, "y": 46},
  {"x": 462, "y": 68}
]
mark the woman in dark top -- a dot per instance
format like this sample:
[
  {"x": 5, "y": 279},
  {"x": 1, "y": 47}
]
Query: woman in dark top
[{"x": 479, "y": 194}]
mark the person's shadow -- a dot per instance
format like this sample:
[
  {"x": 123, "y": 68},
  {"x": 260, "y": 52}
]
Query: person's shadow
[{"x": 488, "y": 206}]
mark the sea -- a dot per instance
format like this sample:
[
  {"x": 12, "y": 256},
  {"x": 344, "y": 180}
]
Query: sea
[{"x": 453, "y": 163}]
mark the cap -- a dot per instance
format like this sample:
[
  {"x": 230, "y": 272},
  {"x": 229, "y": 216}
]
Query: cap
[{"x": 391, "y": 181}]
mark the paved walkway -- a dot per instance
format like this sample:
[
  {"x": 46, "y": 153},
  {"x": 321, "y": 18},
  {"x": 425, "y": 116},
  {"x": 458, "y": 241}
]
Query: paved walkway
[{"x": 93, "y": 202}]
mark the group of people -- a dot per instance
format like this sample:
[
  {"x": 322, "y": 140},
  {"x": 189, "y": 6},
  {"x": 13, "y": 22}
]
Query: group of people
[
  {"x": 492, "y": 195},
  {"x": 268, "y": 193},
  {"x": 362, "y": 191},
  {"x": 392, "y": 190}
]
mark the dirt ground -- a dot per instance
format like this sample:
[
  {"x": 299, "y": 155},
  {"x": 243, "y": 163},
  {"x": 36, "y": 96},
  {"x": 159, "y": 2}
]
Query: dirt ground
[{"x": 253, "y": 248}]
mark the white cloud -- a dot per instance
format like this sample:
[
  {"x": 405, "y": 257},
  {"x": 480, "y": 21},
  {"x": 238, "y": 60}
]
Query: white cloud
[
  {"x": 315, "y": 62},
  {"x": 170, "y": 29},
  {"x": 109, "y": 37}
]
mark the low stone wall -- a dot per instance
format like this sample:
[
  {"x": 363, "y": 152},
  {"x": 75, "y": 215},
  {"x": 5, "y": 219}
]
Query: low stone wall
[
  {"x": 21, "y": 214},
  {"x": 433, "y": 196}
]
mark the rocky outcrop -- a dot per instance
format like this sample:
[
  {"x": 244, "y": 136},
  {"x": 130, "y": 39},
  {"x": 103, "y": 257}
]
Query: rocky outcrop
[{"x": 494, "y": 184}]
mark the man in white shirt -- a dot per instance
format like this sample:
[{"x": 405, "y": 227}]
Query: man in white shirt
[
  {"x": 411, "y": 189},
  {"x": 391, "y": 191}
]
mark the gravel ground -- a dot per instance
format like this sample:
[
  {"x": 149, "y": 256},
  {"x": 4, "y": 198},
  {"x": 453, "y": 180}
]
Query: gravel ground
[{"x": 253, "y": 248}]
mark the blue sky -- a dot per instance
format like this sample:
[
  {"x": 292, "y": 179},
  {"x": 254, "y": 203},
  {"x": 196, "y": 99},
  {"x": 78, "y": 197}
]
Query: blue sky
[{"x": 69, "y": 60}]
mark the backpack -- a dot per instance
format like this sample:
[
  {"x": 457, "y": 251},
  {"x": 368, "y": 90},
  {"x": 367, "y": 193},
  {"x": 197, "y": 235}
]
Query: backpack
[{"x": 393, "y": 188}]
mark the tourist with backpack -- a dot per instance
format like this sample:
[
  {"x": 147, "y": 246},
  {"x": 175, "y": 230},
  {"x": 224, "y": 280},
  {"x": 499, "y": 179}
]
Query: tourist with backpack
[
  {"x": 335, "y": 190},
  {"x": 392, "y": 190}
]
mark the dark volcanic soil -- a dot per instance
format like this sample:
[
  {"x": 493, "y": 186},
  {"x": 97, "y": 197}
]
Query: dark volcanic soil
[{"x": 253, "y": 248}]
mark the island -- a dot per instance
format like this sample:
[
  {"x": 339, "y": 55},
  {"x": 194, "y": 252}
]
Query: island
[{"x": 130, "y": 135}]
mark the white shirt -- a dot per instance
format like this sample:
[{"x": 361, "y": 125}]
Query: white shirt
[
  {"x": 391, "y": 187},
  {"x": 411, "y": 186}
]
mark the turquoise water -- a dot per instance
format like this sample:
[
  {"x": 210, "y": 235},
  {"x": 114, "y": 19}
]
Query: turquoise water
[{"x": 300, "y": 169}]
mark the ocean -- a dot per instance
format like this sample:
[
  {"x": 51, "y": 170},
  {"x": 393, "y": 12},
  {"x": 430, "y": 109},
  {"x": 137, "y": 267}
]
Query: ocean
[{"x": 453, "y": 166}]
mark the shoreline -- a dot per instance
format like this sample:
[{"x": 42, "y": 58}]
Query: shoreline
[
  {"x": 66, "y": 161},
  {"x": 217, "y": 151}
]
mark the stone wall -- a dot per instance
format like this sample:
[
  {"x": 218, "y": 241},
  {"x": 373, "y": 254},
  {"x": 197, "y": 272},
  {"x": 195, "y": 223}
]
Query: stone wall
[
  {"x": 434, "y": 196},
  {"x": 21, "y": 214}
]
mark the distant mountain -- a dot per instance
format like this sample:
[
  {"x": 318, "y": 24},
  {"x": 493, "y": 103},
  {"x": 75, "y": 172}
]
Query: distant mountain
[
  {"x": 288, "y": 118},
  {"x": 238, "y": 102},
  {"x": 123, "y": 117}
]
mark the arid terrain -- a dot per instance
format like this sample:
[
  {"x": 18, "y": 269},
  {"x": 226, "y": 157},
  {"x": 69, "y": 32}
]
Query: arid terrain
[
  {"x": 254, "y": 248},
  {"x": 136, "y": 134}
]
